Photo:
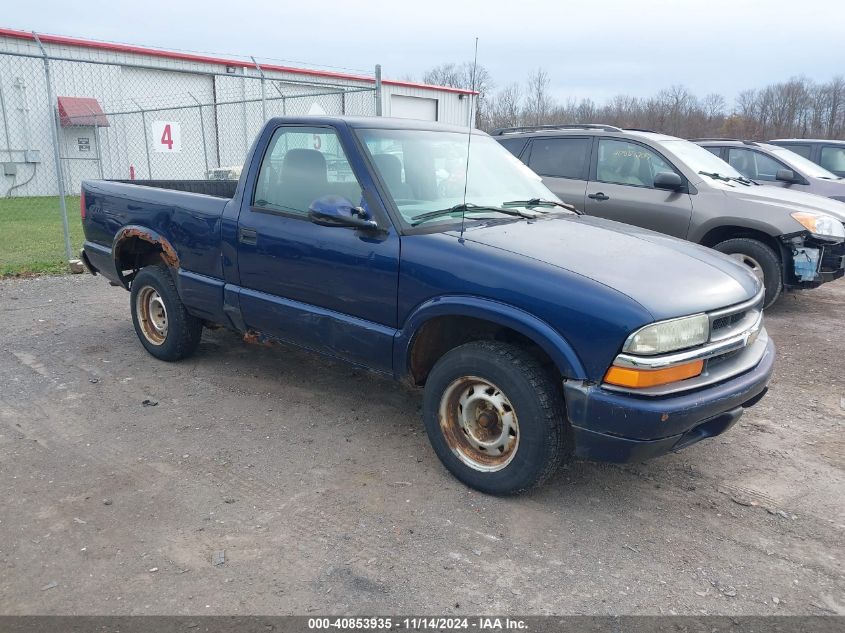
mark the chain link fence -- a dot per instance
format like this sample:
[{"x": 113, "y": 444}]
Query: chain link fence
[{"x": 65, "y": 119}]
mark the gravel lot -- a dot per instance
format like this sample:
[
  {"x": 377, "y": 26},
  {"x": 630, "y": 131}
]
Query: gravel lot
[{"x": 318, "y": 482}]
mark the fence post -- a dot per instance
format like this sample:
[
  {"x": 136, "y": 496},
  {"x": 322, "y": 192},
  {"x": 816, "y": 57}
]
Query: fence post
[
  {"x": 5, "y": 123},
  {"x": 99, "y": 151},
  {"x": 57, "y": 157},
  {"x": 378, "y": 90},
  {"x": 202, "y": 131},
  {"x": 146, "y": 140},
  {"x": 282, "y": 95},
  {"x": 263, "y": 92}
]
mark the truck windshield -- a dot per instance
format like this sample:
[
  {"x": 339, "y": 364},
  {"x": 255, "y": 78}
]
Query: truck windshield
[
  {"x": 425, "y": 172},
  {"x": 699, "y": 160}
]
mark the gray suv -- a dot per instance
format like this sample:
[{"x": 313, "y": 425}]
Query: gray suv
[
  {"x": 776, "y": 166},
  {"x": 788, "y": 239}
]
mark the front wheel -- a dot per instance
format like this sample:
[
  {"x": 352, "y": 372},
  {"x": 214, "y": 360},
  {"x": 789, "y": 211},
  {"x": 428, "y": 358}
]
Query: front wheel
[
  {"x": 761, "y": 259},
  {"x": 162, "y": 323},
  {"x": 495, "y": 417}
]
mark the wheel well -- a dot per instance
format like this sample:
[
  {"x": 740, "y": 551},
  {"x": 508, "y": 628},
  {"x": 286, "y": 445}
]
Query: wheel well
[
  {"x": 134, "y": 252},
  {"x": 722, "y": 233},
  {"x": 441, "y": 334}
]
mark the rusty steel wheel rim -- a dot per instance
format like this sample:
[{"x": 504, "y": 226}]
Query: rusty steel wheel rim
[
  {"x": 479, "y": 424},
  {"x": 152, "y": 315}
]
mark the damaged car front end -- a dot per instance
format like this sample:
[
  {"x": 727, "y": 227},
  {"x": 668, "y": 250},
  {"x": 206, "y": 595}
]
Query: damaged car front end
[{"x": 817, "y": 253}]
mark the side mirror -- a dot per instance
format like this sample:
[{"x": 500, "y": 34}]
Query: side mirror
[
  {"x": 338, "y": 211},
  {"x": 785, "y": 175},
  {"x": 668, "y": 180}
]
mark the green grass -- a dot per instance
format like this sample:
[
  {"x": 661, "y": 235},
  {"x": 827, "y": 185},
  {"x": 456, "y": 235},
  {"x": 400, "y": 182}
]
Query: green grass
[{"x": 31, "y": 238}]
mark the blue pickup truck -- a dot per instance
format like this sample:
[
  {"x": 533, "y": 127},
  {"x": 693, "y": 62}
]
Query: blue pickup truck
[{"x": 430, "y": 254}]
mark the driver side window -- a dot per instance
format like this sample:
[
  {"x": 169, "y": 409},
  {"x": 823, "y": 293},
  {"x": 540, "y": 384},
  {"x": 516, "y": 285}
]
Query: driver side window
[
  {"x": 625, "y": 163},
  {"x": 302, "y": 164},
  {"x": 754, "y": 165}
]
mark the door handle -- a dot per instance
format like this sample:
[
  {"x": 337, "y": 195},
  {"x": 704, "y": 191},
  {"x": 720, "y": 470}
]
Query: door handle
[
  {"x": 599, "y": 196},
  {"x": 247, "y": 236}
]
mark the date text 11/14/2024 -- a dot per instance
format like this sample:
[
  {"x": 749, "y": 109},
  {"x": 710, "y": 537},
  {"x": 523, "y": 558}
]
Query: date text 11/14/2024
[{"x": 417, "y": 623}]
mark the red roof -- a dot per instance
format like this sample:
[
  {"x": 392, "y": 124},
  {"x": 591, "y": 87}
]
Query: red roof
[
  {"x": 81, "y": 111},
  {"x": 62, "y": 40}
]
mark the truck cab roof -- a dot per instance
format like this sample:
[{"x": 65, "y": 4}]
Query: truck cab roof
[{"x": 365, "y": 122}]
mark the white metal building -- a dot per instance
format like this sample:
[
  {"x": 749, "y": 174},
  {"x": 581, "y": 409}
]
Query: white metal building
[{"x": 120, "y": 111}]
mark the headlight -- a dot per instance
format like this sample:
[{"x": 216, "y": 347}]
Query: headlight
[
  {"x": 667, "y": 336},
  {"x": 820, "y": 224}
]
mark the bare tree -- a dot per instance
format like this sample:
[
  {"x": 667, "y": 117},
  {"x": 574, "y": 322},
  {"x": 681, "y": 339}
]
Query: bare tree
[
  {"x": 538, "y": 103},
  {"x": 505, "y": 108},
  {"x": 797, "y": 107},
  {"x": 467, "y": 76}
]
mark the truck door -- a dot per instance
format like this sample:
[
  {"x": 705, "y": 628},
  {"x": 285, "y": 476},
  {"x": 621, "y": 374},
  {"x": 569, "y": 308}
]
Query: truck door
[
  {"x": 330, "y": 289},
  {"x": 622, "y": 188}
]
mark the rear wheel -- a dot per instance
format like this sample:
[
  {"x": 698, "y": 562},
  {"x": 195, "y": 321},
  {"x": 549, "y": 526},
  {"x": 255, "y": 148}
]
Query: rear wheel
[
  {"x": 162, "y": 323},
  {"x": 494, "y": 417},
  {"x": 761, "y": 259}
]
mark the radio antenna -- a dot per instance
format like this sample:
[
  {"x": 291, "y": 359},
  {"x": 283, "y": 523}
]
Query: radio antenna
[{"x": 469, "y": 136}]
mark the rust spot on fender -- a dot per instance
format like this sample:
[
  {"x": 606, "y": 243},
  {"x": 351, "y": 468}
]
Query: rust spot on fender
[{"x": 168, "y": 254}]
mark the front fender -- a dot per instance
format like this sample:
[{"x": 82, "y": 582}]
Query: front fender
[
  {"x": 545, "y": 336},
  {"x": 701, "y": 231}
]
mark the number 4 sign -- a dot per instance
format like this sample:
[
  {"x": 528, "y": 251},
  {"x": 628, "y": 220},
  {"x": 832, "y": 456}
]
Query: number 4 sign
[{"x": 167, "y": 136}]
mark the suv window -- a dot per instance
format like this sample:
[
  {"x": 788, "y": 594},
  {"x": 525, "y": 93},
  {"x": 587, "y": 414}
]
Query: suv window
[
  {"x": 833, "y": 158},
  {"x": 302, "y": 164},
  {"x": 754, "y": 165},
  {"x": 513, "y": 145},
  {"x": 714, "y": 150},
  {"x": 560, "y": 157},
  {"x": 802, "y": 150},
  {"x": 625, "y": 163}
]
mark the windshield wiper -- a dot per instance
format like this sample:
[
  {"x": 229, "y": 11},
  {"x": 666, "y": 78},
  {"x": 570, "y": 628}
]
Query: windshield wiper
[
  {"x": 740, "y": 179},
  {"x": 715, "y": 175},
  {"x": 466, "y": 208},
  {"x": 540, "y": 202},
  {"x": 743, "y": 180}
]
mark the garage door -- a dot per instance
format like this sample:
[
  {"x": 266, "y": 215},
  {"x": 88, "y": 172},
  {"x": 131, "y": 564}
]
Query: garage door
[{"x": 413, "y": 108}]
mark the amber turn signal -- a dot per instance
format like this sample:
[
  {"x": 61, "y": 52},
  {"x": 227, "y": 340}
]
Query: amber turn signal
[{"x": 642, "y": 378}]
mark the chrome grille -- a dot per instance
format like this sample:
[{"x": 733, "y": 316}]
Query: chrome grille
[{"x": 728, "y": 322}]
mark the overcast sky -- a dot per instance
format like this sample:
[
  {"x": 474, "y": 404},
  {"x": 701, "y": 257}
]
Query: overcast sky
[{"x": 590, "y": 49}]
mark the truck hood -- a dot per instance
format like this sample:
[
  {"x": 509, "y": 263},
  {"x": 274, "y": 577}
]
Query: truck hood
[
  {"x": 789, "y": 200},
  {"x": 667, "y": 276}
]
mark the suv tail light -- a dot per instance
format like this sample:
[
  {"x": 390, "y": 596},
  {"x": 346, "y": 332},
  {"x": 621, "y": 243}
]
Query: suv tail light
[{"x": 82, "y": 204}]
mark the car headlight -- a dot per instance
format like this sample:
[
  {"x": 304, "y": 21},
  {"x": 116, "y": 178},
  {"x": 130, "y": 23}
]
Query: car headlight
[
  {"x": 667, "y": 336},
  {"x": 820, "y": 224}
]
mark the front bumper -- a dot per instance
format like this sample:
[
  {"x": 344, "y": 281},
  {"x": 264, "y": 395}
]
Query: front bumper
[
  {"x": 621, "y": 427},
  {"x": 829, "y": 267},
  {"x": 832, "y": 265}
]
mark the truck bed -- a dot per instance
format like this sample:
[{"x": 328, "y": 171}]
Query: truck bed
[
  {"x": 216, "y": 188},
  {"x": 185, "y": 213}
]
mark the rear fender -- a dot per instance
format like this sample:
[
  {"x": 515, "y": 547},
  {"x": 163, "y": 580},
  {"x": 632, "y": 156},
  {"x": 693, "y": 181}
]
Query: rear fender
[{"x": 154, "y": 238}]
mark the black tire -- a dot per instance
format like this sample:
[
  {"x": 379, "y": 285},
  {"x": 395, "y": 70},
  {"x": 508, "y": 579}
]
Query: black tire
[
  {"x": 182, "y": 332},
  {"x": 536, "y": 401},
  {"x": 763, "y": 256}
]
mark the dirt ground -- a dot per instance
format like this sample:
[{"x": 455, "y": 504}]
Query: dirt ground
[{"x": 317, "y": 483}]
